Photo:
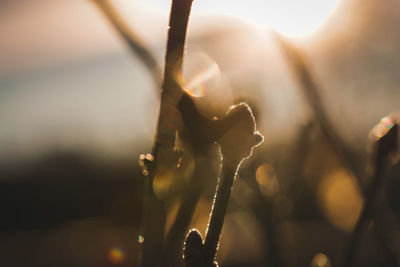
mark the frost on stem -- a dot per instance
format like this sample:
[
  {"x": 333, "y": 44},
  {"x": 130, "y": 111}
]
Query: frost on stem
[{"x": 237, "y": 136}]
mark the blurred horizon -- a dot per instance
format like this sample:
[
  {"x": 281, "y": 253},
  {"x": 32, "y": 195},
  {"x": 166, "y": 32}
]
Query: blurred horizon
[{"x": 45, "y": 45}]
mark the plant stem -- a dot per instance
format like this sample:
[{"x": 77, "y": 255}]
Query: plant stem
[
  {"x": 385, "y": 225},
  {"x": 365, "y": 217},
  {"x": 386, "y": 145}
]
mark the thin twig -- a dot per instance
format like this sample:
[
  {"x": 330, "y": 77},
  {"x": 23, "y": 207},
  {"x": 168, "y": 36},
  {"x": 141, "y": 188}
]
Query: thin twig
[
  {"x": 365, "y": 217},
  {"x": 382, "y": 226},
  {"x": 310, "y": 88},
  {"x": 164, "y": 142},
  {"x": 219, "y": 210},
  {"x": 236, "y": 144}
]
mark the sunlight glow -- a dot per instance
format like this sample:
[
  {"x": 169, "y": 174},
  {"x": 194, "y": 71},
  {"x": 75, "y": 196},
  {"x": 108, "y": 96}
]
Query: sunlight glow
[{"x": 293, "y": 18}]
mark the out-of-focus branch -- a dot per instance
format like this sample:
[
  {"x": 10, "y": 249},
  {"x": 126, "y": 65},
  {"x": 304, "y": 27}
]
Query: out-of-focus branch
[
  {"x": 385, "y": 225},
  {"x": 131, "y": 38},
  {"x": 310, "y": 88},
  {"x": 385, "y": 144}
]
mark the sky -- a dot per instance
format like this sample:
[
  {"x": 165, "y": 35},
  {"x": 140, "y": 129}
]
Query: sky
[{"x": 290, "y": 17}]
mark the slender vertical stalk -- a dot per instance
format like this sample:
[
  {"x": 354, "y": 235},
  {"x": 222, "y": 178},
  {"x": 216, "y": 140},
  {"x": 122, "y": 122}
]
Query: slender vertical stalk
[
  {"x": 365, "y": 217},
  {"x": 385, "y": 224},
  {"x": 155, "y": 215},
  {"x": 385, "y": 136}
]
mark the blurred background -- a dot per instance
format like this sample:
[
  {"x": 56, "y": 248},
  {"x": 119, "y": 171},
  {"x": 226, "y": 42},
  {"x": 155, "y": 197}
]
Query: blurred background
[{"x": 77, "y": 108}]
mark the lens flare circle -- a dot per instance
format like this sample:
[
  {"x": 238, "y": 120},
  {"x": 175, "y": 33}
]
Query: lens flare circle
[{"x": 201, "y": 74}]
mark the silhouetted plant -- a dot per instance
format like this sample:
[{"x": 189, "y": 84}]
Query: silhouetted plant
[{"x": 236, "y": 134}]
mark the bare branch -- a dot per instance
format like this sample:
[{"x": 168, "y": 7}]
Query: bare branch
[{"x": 131, "y": 38}]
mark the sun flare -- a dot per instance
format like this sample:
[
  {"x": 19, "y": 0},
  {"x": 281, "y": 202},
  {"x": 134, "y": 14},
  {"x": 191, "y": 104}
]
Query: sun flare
[{"x": 295, "y": 18}]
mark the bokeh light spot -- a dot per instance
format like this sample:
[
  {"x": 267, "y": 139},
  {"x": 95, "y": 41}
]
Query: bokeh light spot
[
  {"x": 178, "y": 165},
  {"x": 150, "y": 157},
  {"x": 116, "y": 256},
  {"x": 267, "y": 180},
  {"x": 162, "y": 183},
  {"x": 140, "y": 239},
  {"x": 320, "y": 260},
  {"x": 340, "y": 199}
]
